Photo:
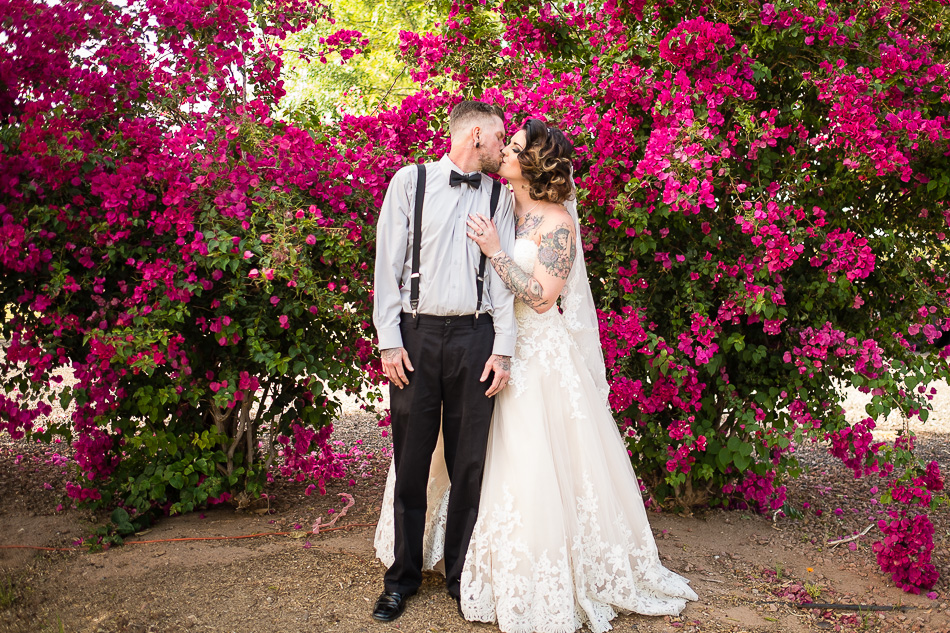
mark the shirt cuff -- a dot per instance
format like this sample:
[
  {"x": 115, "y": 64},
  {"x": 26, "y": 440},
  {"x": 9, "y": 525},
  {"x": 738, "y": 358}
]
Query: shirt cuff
[
  {"x": 504, "y": 345},
  {"x": 389, "y": 337}
]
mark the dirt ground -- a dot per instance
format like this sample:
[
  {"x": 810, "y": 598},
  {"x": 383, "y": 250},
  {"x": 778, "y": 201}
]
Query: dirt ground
[{"x": 750, "y": 571}]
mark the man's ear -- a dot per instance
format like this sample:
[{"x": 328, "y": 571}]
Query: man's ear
[{"x": 476, "y": 135}]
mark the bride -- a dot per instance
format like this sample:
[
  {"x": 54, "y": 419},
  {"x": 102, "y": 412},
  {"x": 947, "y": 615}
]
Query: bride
[{"x": 562, "y": 539}]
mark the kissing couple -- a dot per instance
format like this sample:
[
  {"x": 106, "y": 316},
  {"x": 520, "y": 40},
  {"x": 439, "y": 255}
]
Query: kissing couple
[{"x": 509, "y": 474}]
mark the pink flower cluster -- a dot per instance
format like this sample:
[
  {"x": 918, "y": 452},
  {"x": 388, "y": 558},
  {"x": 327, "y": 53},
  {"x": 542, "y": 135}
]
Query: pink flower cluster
[
  {"x": 696, "y": 42},
  {"x": 827, "y": 348},
  {"x": 308, "y": 456},
  {"x": 856, "y": 448},
  {"x": 345, "y": 42},
  {"x": 905, "y": 552},
  {"x": 849, "y": 254},
  {"x": 16, "y": 419}
]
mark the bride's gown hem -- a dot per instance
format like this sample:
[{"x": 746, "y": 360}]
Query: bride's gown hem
[{"x": 562, "y": 538}]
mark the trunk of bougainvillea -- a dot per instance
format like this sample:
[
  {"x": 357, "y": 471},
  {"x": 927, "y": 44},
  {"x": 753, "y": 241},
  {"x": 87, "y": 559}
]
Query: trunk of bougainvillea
[
  {"x": 237, "y": 426},
  {"x": 693, "y": 494}
]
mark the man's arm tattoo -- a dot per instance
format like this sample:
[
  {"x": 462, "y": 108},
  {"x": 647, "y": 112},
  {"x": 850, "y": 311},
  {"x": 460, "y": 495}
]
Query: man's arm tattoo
[
  {"x": 391, "y": 354},
  {"x": 556, "y": 251},
  {"x": 504, "y": 363},
  {"x": 521, "y": 284}
]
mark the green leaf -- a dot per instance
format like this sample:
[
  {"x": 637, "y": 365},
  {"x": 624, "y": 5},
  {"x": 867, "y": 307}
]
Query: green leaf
[
  {"x": 741, "y": 462},
  {"x": 65, "y": 397},
  {"x": 724, "y": 459},
  {"x": 120, "y": 519}
]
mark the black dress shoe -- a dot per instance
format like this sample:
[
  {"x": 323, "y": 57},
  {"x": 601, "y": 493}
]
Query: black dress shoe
[
  {"x": 390, "y": 606},
  {"x": 458, "y": 603}
]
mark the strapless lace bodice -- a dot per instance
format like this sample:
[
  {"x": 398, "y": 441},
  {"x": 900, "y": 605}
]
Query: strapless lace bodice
[{"x": 525, "y": 253}]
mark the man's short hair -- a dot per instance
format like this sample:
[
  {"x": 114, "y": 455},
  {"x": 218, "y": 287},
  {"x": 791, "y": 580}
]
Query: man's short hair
[{"x": 467, "y": 112}]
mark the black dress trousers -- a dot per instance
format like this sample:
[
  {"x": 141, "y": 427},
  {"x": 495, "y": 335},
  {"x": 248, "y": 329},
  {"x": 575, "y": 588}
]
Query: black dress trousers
[{"x": 448, "y": 355}]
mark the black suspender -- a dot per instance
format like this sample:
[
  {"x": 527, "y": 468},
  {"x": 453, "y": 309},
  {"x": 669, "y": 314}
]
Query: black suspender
[
  {"x": 417, "y": 242},
  {"x": 480, "y": 280}
]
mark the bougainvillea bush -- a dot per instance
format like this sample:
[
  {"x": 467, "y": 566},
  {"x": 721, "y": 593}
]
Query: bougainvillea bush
[
  {"x": 198, "y": 266},
  {"x": 763, "y": 192}
]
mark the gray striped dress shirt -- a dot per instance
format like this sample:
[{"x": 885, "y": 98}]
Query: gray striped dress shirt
[{"x": 448, "y": 260}]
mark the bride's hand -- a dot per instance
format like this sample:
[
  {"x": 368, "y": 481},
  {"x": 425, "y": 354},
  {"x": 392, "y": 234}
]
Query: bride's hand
[{"x": 483, "y": 232}]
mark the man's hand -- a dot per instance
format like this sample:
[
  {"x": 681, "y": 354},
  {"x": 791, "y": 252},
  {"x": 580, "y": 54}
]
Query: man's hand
[
  {"x": 395, "y": 365},
  {"x": 501, "y": 366}
]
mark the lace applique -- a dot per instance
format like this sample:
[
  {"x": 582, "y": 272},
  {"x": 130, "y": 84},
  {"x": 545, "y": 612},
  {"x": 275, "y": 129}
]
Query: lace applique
[
  {"x": 504, "y": 579},
  {"x": 621, "y": 570}
]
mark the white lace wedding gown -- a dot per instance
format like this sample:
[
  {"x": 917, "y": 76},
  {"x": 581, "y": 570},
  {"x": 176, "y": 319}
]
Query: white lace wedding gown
[{"x": 562, "y": 538}]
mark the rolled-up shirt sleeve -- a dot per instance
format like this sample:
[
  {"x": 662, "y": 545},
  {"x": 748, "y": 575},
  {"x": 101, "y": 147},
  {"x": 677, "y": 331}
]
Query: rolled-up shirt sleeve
[
  {"x": 392, "y": 243},
  {"x": 502, "y": 299}
]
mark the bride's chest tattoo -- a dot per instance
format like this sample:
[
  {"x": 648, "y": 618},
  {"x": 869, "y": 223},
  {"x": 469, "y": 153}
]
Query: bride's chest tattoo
[{"x": 527, "y": 224}]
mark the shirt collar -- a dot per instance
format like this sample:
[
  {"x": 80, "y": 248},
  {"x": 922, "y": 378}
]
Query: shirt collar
[{"x": 448, "y": 166}]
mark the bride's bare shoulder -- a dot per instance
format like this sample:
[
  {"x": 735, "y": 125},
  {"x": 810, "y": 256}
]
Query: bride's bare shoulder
[{"x": 556, "y": 216}]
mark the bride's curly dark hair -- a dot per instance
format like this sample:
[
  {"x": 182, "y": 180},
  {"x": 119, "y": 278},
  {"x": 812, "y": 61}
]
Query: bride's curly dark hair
[{"x": 546, "y": 162}]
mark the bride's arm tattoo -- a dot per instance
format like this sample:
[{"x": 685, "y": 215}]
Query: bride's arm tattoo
[
  {"x": 555, "y": 253},
  {"x": 521, "y": 284},
  {"x": 557, "y": 250}
]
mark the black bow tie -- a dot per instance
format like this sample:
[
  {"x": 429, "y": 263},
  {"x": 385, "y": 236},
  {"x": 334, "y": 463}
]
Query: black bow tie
[{"x": 473, "y": 180}]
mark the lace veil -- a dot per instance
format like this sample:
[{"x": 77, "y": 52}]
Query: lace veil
[{"x": 580, "y": 314}]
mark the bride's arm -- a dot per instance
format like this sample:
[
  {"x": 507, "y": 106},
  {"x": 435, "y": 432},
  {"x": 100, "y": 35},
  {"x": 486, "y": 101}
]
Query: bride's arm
[
  {"x": 521, "y": 284},
  {"x": 556, "y": 253}
]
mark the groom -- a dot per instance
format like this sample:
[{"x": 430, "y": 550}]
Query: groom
[{"x": 446, "y": 338}]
